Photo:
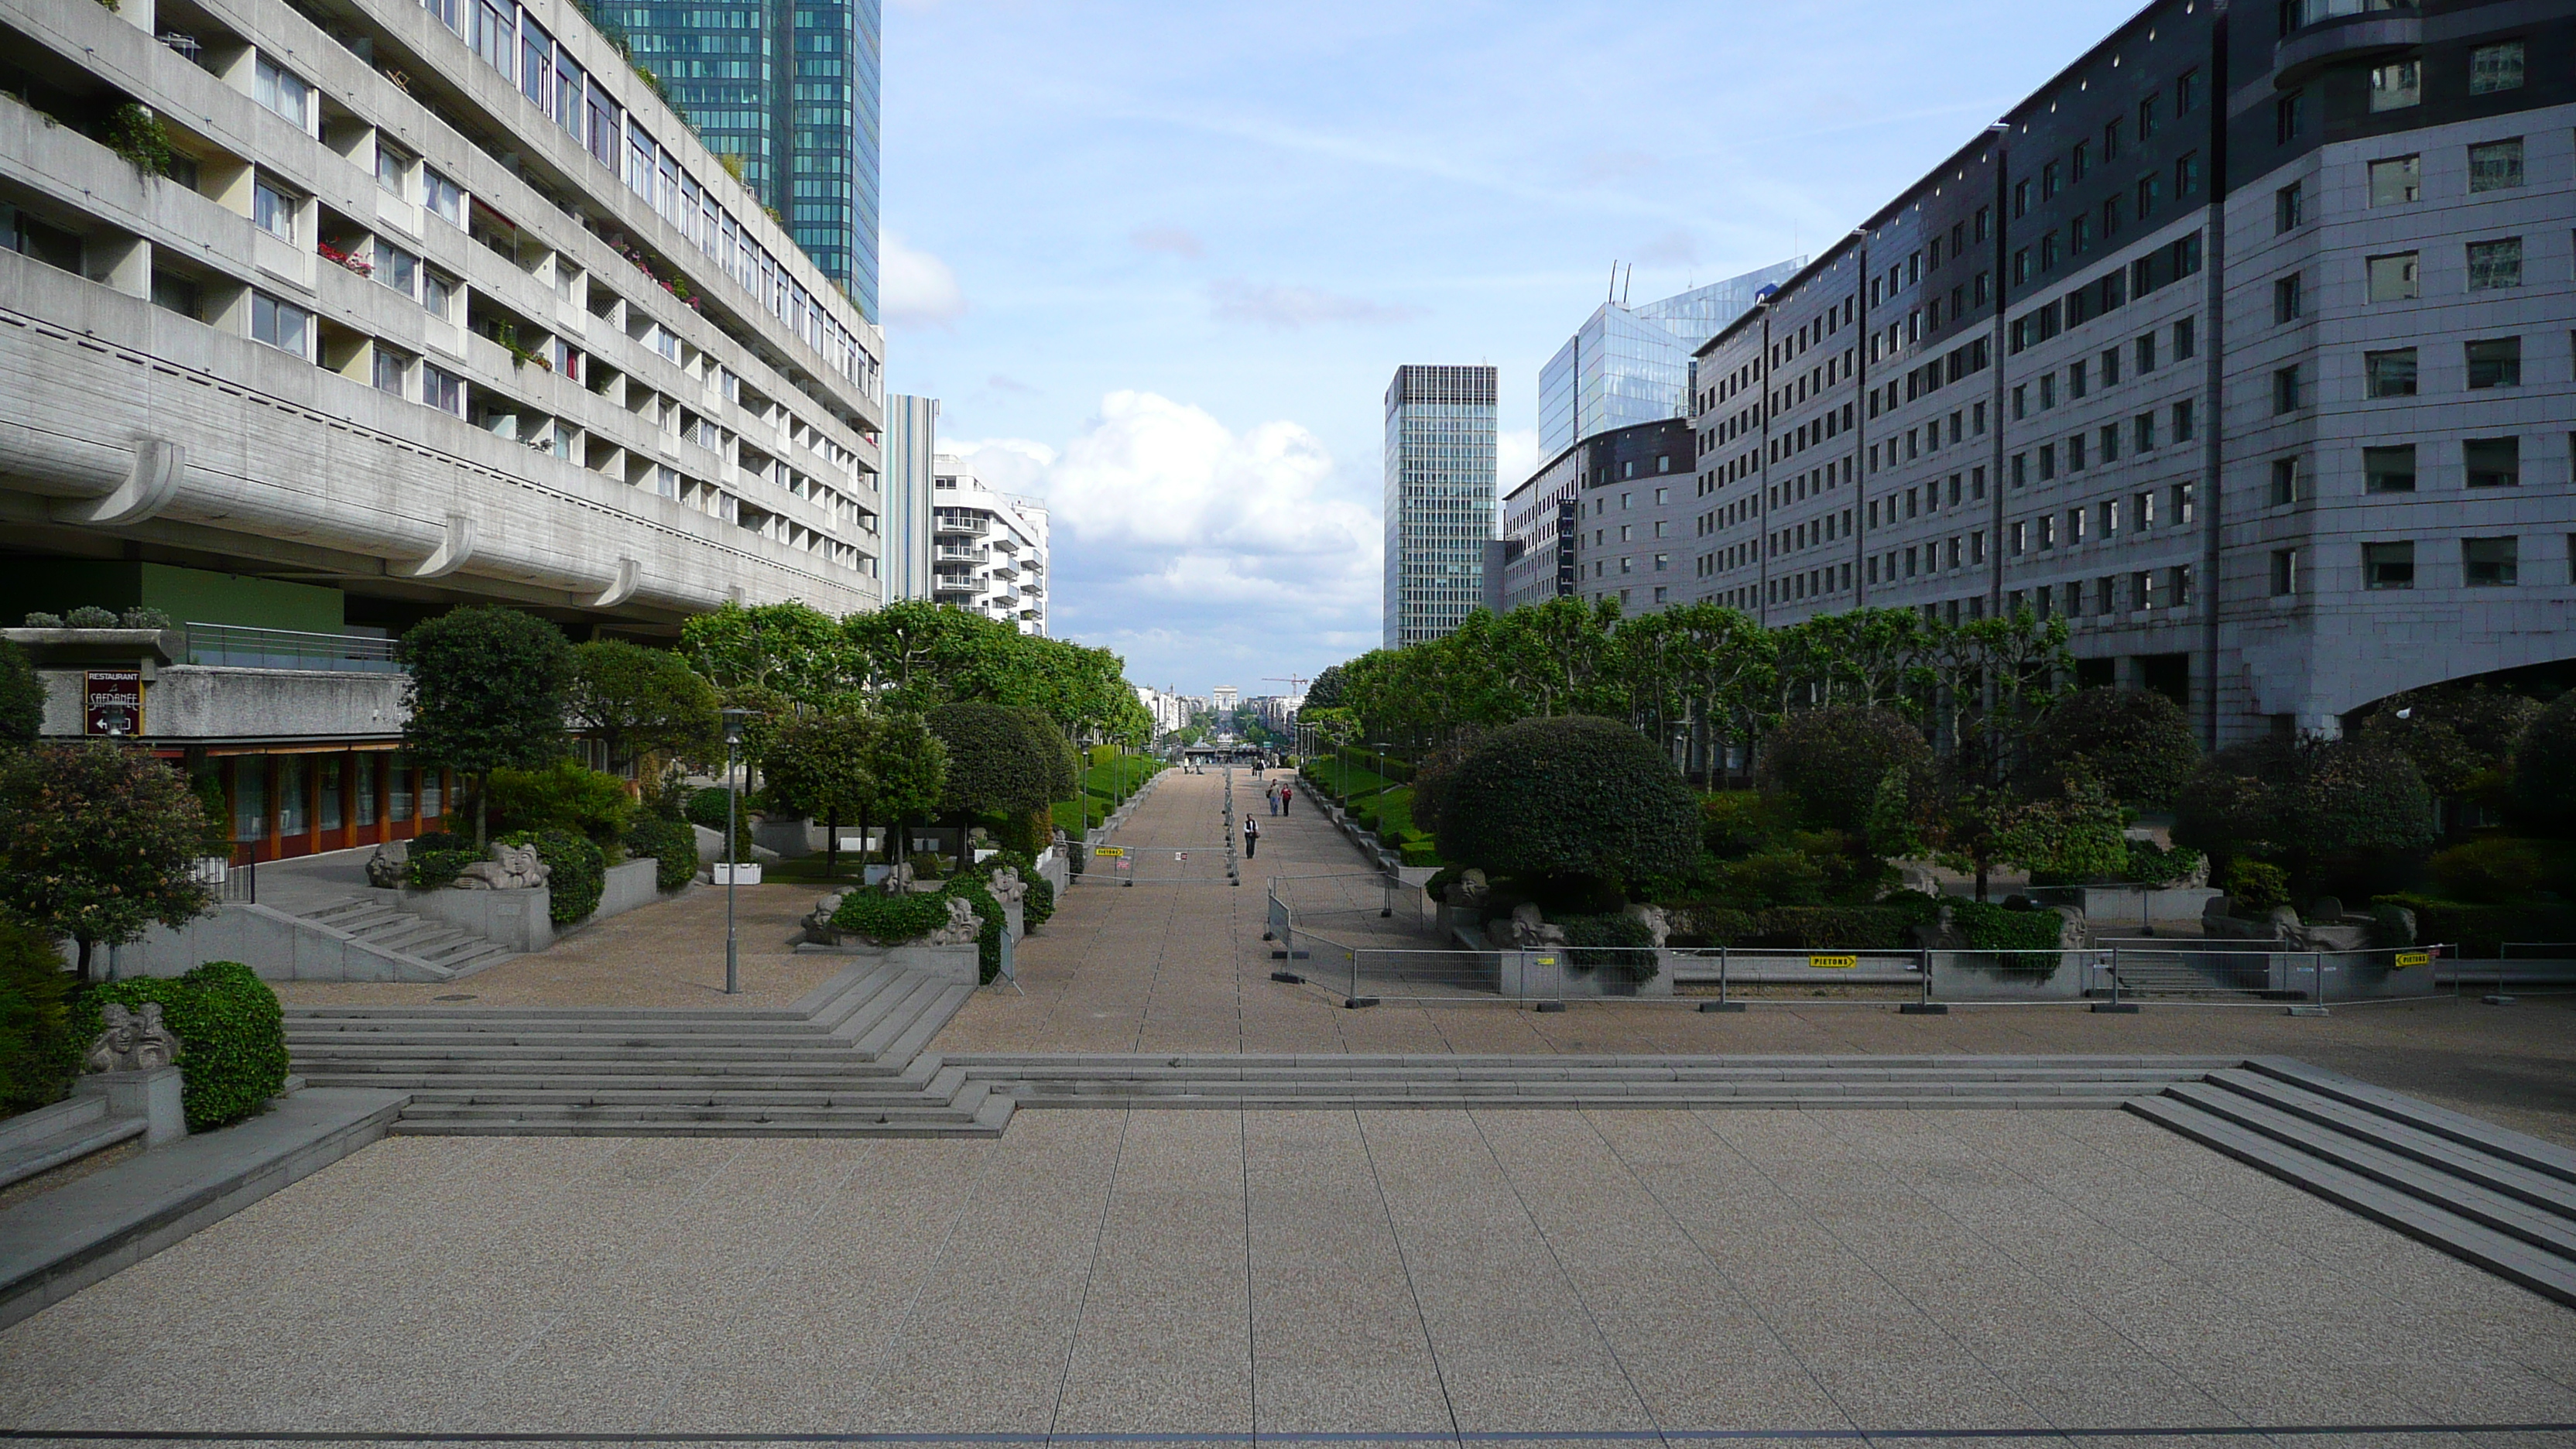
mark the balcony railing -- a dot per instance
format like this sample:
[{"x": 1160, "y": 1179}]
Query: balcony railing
[
  {"x": 236, "y": 646},
  {"x": 2309, "y": 12},
  {"x": 958, "y": 553},
  {"x": 959, "y": 523}
]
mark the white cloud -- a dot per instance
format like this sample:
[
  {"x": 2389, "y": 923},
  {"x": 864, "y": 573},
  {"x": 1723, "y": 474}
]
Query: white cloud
[
  {"x": 1236, "y": 300},
  {"x": 1515, "y": 457},
  {"x": 919, "y": 287},
  {"x": 1169, "y": 525},
  {"x": 1179, "y": 241}
]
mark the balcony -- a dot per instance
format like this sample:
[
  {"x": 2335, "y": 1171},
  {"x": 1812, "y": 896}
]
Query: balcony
[
  {"x": 2340, "y": 32},
  {"x": 966, "y": 523},
  {"x": 957, "y": 553},
  {"x": 953, "y": 583},
  {"x": 1005, "y": 566}
]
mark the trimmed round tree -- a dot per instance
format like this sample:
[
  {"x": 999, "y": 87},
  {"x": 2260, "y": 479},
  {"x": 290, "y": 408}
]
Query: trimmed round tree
[
  {"x": 1831, "y": 762},
  {"x": 2134, "y": 742},
  {"x": 1571, "y": 796},
  {"x": 1001, "y": 761},
  {"x": 100, "y": 842},
  {"x": 818, "y": 768},
  {"x": 2544, "y": 769},
  {"x": 2334, "y": 813},
  {"x": 640, "y": 701},
  {"x": 486, "y": 692}
]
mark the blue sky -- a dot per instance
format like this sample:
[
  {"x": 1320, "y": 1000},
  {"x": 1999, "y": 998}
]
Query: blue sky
[{"x": 1158, "y": 261}]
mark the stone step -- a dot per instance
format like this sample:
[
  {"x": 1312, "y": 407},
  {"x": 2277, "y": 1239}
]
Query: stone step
[
  {"x": 869, "y": 1075},
  {"x": 1542, "y": 1101},
  {"x": 2459, "y": 1127},
  {"x": 1106, "y": 1062},
  {"x": 2547, "y": 1191},
  {"x": 1226, "y": 1094},
  {"x": 1541, "y": 1071},
  {"x": 2429, "y": 1221},
  {"x": 75, "y": 1134},
  {"x": 987, "y": 1120},
  {"x": 639, "y": 1114}
]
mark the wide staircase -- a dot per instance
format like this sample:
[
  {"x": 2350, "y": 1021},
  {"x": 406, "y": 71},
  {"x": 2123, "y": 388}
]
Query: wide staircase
[
  {"x": 432, "y": 943},
  {"x": 848, "y": 1060},
  {"x": 1441, "y": 1081},
  {"x": 2188, "y": 973},
  {"x": 2499, "y": 1199}
]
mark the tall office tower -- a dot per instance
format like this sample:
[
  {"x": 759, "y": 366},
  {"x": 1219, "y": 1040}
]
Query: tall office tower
[
  {"x": 432, "y": 307},
  {"x": 1631, "y": 365},
  {"x": 2242, "y": 346},
  {"x": 911, "y": 446},
  {"x": 791, "y": 89},
  {"x": 1439, "y": 498}
]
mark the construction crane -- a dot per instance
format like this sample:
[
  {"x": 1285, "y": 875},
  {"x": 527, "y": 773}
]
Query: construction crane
[{"x": 1290, "y": 680}]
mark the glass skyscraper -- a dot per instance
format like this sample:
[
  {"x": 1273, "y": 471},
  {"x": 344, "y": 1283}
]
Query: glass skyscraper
[
  {"x": 791, "y": 87},
  {"x": 1439, "y": 498},
  {"x": 1632, "y": 364}
]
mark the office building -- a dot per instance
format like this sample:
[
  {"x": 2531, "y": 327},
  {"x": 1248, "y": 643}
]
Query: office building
[
  {"x": 989, "y": 548},
  {"x": 1628, "y": 365},
  {"x": 2243, "y": 346},
  {"x": 433, "y": 306},
  {"x": 1439, "y": 498},
  {"x": 791, "y": 93},
  {"x": 1600, "y": 520},
  {"x": 911, "y": 462}
]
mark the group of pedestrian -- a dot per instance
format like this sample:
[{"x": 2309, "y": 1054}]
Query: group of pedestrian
[{"x": 1276, "y": 796}]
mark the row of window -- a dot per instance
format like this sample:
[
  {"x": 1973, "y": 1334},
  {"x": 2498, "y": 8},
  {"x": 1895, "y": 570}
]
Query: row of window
[
  {"x": 2485, "y": 563},
  {"x": 2105, "y": 520}
]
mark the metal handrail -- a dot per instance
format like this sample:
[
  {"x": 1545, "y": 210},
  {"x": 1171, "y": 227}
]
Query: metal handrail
[{"x": 241, "y": 646}]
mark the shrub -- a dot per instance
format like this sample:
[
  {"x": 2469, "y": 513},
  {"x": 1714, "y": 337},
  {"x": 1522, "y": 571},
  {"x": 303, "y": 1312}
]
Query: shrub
[
  {"x": 22, "y": 697},
  {"x": 1616, "y": 940},
  {"x": 1736, "y": 823},
  {"x": 1572, "y": 795},
  {"x": 1419, "y": 853},
  {"x": 2254, "y": 887},
  {"x": 673, "y": 846},
  {"x": 890, "y": 920},
  {"x": 2151, "y": 864},
  {"x": 2544, "y": 769},
  {"x": 90, "y": 616},
  {"x": 927, "y": 864},
  {"x": 2000, "y": 928},
  {"x": 441, "y": 840},
  {"x": 565, "y": 795},
  {"x": 143, "y": 616},
  {"x": 136, "y": 134},
  {"x": 2135, "y": 742},
  {"x": 2457, "y": 735},
  {"x": 1039, "y": 904},
  {"x": 38, "y": 1052},
  {"x": 576, "y": 872},
  {"x": 39, "y": 619},
  {"x": 707, "y": 807},
  {"x": 2481, "y": 930},
  {"x": 231, "y": 1031},
  {"x": 1830, "y": 762},
  {"x": 429, "y": 870},
  {"x": 2331, "y": 812},
  {"x": 2503, "y": 869},
  {"x": 988, "y": 941}
]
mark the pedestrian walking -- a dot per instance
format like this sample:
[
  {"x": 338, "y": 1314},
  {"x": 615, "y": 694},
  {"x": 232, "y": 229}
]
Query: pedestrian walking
[
  {"x": 1251, "y": 837},
  {"x": 1285, "y": 795}
]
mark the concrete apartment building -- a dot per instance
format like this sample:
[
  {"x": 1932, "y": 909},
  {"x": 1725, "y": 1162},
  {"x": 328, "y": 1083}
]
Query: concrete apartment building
[
  {"x": 431, "y": 305},
  {"x": 1439, "y": 501},
  {"x": 989, "y": 548},
  {"x": 2243, "y": 345},
  {"x": 1600, "y": 519}
]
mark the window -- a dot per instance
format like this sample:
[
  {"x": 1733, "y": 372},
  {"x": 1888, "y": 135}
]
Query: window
[
  {"x": 2110, "y": 442},
  {"x": 2495, "y": 68},
  {"x": 2048, "y": 181},
  {"x": 2142, "y": 431},
  {"x": 2388, "y": 374},
  {"x": 2285, "y": 482},
  {"x": 2289, "y": 207},
  {"x": 281, "y": 325},
  {"x": 2074, "y": 527},
  {"x": 2110, "y": 366},
  {"x": 2494, "y": 264},
  {"x": 2079, "y": 235},
  {"x": 2285, "y": 299},
  {"x": 2488, "y": 563},
  {"x": 2185, "y": 421},
  {"x": 2495, "y": 165},
  {"x": 2396, "y": 181},
  {"x": 284, "y": 92},
  {"x": 2151, "y": 194},
  {"x": 391, "y": 167},
  {"x": 272, "y": 210},
  {"x": 2492, "y": 462},
  {"x": 2076, "y": 373},
  {"x": 442, "y": 389},
  {"x": 2021, "y": 401},
  {"x": 397, "y": 268},
  {"x": 389, "y": 369},
  {"x": 2147, "y": 110},
  {"x": 2111, "y": 139},
  {"x": 2020, "y": 470},
  {"x": 2048, "y": 251},
  {"x": 2397, "y": 85},
  {"x": 2075, "y": 459},
  {"x": 2021, "y": 265},
  {"x": 2187, "y": 174},
  {"x": 2183, "y": 338},
  {"x": 2047, "y": 461},
  {"x": 2389, "y": 469},
  {"x": 2496, "y": 363},
  {"x": 2285, "y": 571},
  {"x": 2184, "y": 495},
  {"x": 443, "y": 197},
  {"x": 2393, "y": 278},
  {"x": 2290, "y": 114},
  {"x": 2142, "y": 511},
  {"x": 2388, "y": 565},
  {"x": 2285, "y": 389},
  {"x": 437, "y": 292}
]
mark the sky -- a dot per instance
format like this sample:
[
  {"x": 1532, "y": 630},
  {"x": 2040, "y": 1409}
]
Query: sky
[{"x": 1159, "y": 261}]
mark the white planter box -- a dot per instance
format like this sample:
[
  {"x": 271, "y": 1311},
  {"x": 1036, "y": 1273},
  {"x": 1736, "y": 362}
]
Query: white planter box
[{"x": 743, "y": 874}]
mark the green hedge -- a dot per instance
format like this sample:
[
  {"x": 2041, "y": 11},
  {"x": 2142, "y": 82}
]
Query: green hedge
[
  {"x": 232, "y": 1036},
  {"x": 988, "y": 942},
  {"x": 1040, "y": 902},
  {"x": 428, "y": 870},
  {"x": 673, "y": 846},
  {"x": 707, "y": 807},
  {"x": 890, "y": 920},
  {"x": 1993, "y": 928},
  {"x": 2481, "y": 930},
  {"x": 38, "y": 1052},
  {"x": 1615, "y": 940},
  {"x": 576, "y": 872}
]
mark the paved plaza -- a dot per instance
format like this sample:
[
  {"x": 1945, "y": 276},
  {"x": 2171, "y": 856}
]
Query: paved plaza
[{"x": 1364, "y": 1274}]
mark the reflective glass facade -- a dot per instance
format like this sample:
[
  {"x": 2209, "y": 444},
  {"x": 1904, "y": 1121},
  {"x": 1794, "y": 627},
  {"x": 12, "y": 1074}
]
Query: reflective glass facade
[
  {"x": 1439, "y": 498},
  {"x": 792, "y": 89},
  {"x": 1631, "y": 365}
]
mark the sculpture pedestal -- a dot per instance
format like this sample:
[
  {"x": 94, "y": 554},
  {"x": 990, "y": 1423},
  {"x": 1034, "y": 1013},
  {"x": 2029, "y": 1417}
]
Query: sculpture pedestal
[{"x": 151, "y": 1094}]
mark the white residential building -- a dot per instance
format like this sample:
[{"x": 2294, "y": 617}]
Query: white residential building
[{"x": 989, "y": 549}]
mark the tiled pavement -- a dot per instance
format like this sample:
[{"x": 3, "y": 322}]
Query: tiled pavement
[{"x": 1203, "y": 1273}]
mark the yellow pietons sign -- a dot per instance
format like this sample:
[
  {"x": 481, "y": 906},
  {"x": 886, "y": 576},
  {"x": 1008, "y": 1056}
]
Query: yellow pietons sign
[
  {"x": 1833, "y": 963},
  {"x": 1110, "y": 852},
  {"x": 2414, "y": 958}
]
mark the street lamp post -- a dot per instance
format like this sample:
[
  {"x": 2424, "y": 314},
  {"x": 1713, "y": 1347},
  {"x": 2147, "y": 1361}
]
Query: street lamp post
[{"x": 733, "y": 719}]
